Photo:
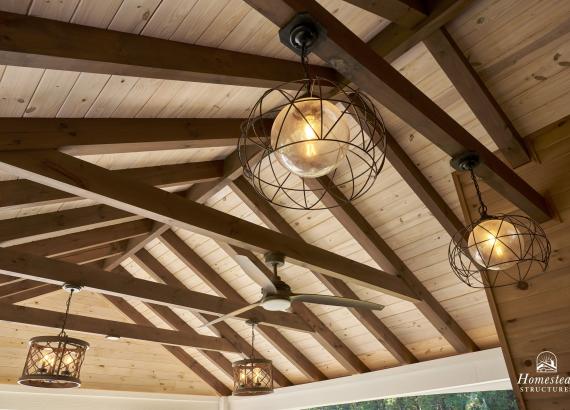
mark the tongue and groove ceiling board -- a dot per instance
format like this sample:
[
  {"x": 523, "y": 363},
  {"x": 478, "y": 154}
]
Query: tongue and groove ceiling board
[{"x": 518, "y": 53}]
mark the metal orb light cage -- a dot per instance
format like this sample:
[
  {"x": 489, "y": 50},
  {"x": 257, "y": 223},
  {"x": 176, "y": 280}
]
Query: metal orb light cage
[
  {"x": 496, "y": 250},
  {"x": 252, "y": 377},
  {"x": 308, "y": 129},
  {"x": 55, "y": 361}
]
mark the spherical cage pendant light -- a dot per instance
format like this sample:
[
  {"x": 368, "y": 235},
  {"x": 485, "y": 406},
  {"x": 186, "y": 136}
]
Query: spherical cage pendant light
[
  {"x": 311, "y": 128},
  {"x": 252, "y": 377},
  {"x": 497, "y": 250},
  {"x": 55, "y": 361}
]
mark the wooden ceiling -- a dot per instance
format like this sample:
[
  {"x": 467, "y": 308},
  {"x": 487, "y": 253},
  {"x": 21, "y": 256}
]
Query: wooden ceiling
[{"x": 152, "y": 92}]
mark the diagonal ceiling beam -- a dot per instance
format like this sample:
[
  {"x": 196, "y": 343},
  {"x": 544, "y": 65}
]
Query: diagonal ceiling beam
[
  {"x": 20, "y": 193},
  {"x": 193, "y": 261},
  {"x": 359, "y": 63},
  {"x": 357, "y": 225},
  {"x": 48, "y": 318},
  {"x": 394, "y": 40},
  {"x": 476, "y": 94},
  {"x": 88, "y": 136},
  {"x": 35, "y": 42},
  {"x": 87, "y": 180},
  {"x": 368, "y": 319},
  {"x": 406, "y": 13},
  {"x": 127, "y": 309},
  {"x": 52, "y": 271}
]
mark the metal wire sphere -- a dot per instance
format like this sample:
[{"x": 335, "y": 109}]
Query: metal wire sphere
[
  {"x": 364, "y": 152},
  {"x": 527, "y": 246}
]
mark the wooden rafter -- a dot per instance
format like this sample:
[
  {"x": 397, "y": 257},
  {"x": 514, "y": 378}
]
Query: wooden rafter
[
  {"x": 36, "y": 42},
  {"x": 368, "y": 319},
  {"x": 88, "y": 136},
  {"x": 48, "y": 318},
  {"x": 374, "y": 245},
  {"x": 406, "y": 13},
  {"x": 52, "y": 271},
  {"x": 374, "y": 75},
  {"x": 188, "y": 361},
  {"x": 476, "y": 94},
  {"x": 395, "y": 40},
  {"x": 21, "y": 193},
  {"x": 87, "y": 180}
]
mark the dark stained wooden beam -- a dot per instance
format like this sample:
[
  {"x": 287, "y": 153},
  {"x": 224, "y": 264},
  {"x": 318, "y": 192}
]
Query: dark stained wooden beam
[
  {"x": 30, "y": 292},
  {"x": 48, "y": 318},
  {"x": 476, "y": 94},
  {"x": 368, "y": 319},
  {"x": 407, "y": 13},
  {"x": 153, "y": 267},
  {"x": 359, "y": 63},
  {"x": 20, "y": 193},
  {"x": 85, "y": 136},
  {"x": 89, "y": 181},
  {"x": 75, "y": 242},
  {"x": 355, "y": 223},
  {"x": 41, "y": 226},
  {"x": 35, "y": 42},
  {"x": 52, "y": 271},
  {"x": 394, "y": 40},
  {"x": 188, "y": 361},
  {"x": 193, "y": 261}
]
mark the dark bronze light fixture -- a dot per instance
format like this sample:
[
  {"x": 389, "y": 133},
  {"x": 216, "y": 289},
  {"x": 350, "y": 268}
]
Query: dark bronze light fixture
[
  {"x": 496, "y": 250},
  {"x": 55, "y": 361},
  {"x": 252, "y": 377},
  {"x": 308, "y": 129}
]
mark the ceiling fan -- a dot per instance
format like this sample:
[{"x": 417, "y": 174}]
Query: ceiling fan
[{"x": 277, "y": 295}]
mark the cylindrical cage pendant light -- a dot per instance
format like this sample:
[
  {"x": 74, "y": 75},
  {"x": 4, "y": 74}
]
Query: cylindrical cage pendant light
[
  {"x": 252, "y": 377},
  {"x": 55, "y": 361}
]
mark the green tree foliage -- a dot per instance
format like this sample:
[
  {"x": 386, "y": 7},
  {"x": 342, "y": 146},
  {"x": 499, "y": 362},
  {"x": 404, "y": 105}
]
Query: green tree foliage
[{"x": 488, "y": 400}]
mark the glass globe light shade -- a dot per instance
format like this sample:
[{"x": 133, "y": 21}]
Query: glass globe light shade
[
  {"x": 493, "y": 244},
  {"x": 310, "y": 140}
]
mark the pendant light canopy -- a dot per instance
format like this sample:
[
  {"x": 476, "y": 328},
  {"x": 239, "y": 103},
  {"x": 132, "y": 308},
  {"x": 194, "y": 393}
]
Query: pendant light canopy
[
  {"x": 497, "y": 250},
  {"x": 55, "y": 361},
  {"x": 252, "y": 377},
  {"x": 310, "y": 128}
]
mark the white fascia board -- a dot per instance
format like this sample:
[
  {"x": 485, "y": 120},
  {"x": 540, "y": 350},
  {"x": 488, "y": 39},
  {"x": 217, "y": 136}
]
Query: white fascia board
[{"x": 478, "y": 371}]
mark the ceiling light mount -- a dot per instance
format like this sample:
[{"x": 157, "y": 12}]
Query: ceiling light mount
[{"x": 302, "y": 34}]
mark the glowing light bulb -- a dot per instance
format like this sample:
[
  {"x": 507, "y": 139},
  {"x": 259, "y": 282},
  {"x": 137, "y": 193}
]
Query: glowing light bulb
[
  {"x": 495, "y": 244},
  {"x": 309, "y": 137}
]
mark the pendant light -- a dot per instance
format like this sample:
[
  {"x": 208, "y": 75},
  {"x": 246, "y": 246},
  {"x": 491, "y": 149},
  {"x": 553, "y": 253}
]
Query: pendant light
[
  {"x": 55, "y": 361},
  {"x": 496, "y": 250},
  {"x": 252, "y": 377},
  {"x": 306, "y": 129}
]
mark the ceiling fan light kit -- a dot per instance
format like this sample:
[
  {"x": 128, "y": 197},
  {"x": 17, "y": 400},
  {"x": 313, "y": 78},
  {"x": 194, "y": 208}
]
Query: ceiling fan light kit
[
  {"x": 276, "y": 295},
  {"x": 55, "y": 361},
  {"x": 310, "y": 128},
  {"x": 496, "y": 250}
]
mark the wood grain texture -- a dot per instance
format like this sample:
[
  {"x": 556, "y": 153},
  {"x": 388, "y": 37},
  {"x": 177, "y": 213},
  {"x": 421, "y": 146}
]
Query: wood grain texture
[
  {"x": 81, "y": 178},
  {"x": 78, "y": 48}
]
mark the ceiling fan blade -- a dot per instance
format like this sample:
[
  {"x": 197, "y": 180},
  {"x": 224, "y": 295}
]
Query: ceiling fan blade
[
  {"x": 336, "y": 301},
  {"x": 256, "y": 274},
  {"x": 232, "y": 314}
]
